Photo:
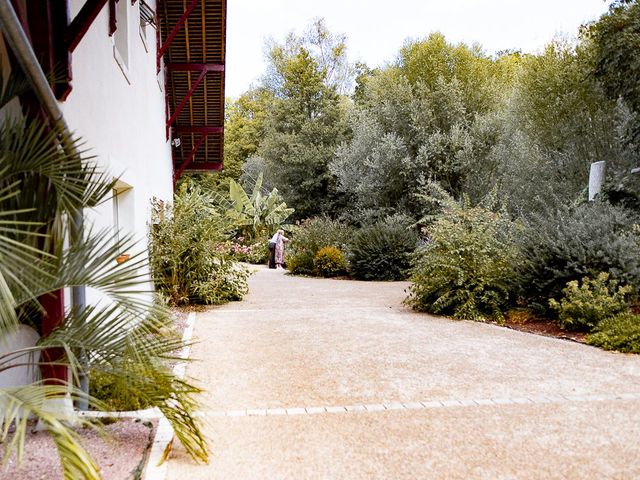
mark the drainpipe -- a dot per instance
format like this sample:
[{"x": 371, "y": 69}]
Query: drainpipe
[{"x": 21, "y": 47}]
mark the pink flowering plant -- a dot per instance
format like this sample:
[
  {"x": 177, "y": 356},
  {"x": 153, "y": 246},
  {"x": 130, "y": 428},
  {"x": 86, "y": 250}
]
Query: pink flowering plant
[{"x": 240, "y": 250}]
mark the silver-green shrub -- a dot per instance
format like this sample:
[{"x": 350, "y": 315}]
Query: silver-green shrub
[
  {"x": 571, "y": 242},
  {"x": 466, "y": 268}
]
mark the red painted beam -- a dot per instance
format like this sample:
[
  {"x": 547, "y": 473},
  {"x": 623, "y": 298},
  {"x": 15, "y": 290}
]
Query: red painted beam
[
  {"x": 205, "y": 167},
  {"x": 82, "y": 21},
  {"x": 51, "y": 367},
  {"x": 158, "y": 38},
  {"x": 177, "y": 28},
  {"x": 192, "y": 154},
  {"x": 195, "y": 67},
  {"x": 186, "y": 98},
  {"x": 203, "y": 130},
  {"x": 113, "y": 17}
]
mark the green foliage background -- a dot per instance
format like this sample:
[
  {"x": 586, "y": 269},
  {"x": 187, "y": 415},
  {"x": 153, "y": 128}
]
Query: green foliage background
[{"x": 509, "y": 129}]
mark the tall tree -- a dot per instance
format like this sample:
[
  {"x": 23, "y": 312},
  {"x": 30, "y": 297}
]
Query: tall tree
[
  {"x": 305, "y": 124},
  {"x": 328, "y": 50},
  {"x": 617, "y": 39},
  {"x": 429, "y": 117},
  {"x": 433, "y": 59},
  {"x": 244, "y": 128},
  {"x": 557, "y": 124}
]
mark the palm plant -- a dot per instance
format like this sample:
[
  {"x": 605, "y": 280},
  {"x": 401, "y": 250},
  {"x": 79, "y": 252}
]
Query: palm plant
[
  {"x": 41, "y": 189},
  {"x": 257, "y": 213}
]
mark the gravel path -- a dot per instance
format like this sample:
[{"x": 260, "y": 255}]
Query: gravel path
[
  {"x": 118, "y": 454},
  {"x": 331, "y": 379}
]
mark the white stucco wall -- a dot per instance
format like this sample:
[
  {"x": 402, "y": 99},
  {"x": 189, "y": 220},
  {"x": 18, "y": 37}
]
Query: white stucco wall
[{"x": 122, "y": 119}]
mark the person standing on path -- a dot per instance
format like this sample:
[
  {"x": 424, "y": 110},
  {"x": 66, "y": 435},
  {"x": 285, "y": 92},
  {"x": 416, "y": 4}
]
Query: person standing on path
[
  {"x": 280, "y": 240},
  {"x": 272, "y": 251}
]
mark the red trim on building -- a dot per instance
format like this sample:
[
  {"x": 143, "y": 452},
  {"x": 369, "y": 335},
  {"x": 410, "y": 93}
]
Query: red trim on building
[
  {"x": 195, "y": 67},
  {"x": 82, "y": 21},
  {"x": 177, "y": 28},
  {"x": 192, "y": 43},
  {"x": 53, "y": 305},
  {"x": 113, "y": 17},
  {"x": 199, "y": 129}
]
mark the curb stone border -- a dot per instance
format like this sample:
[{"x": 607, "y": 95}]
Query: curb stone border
[
  {"x": 424, "y": 405},
  {"x": 156, "y": 468}
]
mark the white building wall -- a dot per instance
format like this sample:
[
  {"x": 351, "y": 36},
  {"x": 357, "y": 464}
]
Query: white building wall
[{"x": 117, "y": 106}]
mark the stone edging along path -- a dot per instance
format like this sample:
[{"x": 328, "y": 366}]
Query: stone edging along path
[
  {"x": 433, "y": 404},
  {"x": 156, "y": 468}
]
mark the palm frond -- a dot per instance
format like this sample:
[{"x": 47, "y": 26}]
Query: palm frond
[
  {"x": 8, "y": 317},
  {"x": 134, "y": 351},
  {"x": 42, "y": 187},
  {"x": 20, "y": 403},
  {"x": 31, "y": 153},
  {"x": 14, "y": 85}
]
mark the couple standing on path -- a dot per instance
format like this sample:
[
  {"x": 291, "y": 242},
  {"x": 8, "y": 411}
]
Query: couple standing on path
[{"x": 276, "y": 249}]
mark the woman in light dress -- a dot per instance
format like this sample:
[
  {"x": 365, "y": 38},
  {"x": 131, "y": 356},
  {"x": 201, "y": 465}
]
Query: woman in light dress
[{"x": 280, "y": 240}]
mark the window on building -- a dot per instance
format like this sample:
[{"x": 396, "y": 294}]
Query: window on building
[
  {"x": 123, "y": 211},
  {"x": 121, "y": 37},
  {"x": 147, "y": 23}
]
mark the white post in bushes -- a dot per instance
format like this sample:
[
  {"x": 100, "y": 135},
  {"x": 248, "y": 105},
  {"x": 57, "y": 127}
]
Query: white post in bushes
[{"x": 596, "y": 179}]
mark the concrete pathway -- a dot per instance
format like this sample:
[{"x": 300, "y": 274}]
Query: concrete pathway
[{"x": 330, "y": 379}]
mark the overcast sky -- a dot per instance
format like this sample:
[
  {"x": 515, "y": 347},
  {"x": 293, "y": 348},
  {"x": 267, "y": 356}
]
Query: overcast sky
[{"x": 376, "y": 29}]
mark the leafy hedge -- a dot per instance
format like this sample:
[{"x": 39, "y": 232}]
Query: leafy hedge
[
  {"x": 310, "y": 237},
  {"x": 467, "y": 267},
  {"x": 383, "y": 251},
  {"x": 186, "y": 264}
]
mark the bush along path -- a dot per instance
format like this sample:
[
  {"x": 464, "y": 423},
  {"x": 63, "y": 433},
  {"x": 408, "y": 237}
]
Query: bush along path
[{"x": 321, "y": 378}]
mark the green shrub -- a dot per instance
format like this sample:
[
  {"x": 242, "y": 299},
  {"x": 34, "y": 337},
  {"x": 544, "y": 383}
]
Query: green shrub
[
  {"x": 584, "y": 306},
  {"x": 227, "y": 282},
  {"x": 184, "y": 251},
  {"x": 329, "y": 262},
  {"x": 383, "y": 251},
  {"x": 466, "y": 268},
  {"x": 577, "y": 241},
  {"x": 621, "y": 333},
  {"x": 310, "y": 237},
  {"x": 115, "y": 392}
]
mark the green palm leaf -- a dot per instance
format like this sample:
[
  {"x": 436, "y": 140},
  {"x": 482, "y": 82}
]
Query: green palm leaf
[
  {"x": 253, "y": 212},
  {"x": 19, "y": 404},
  {"x": 41, "y": 189}
]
